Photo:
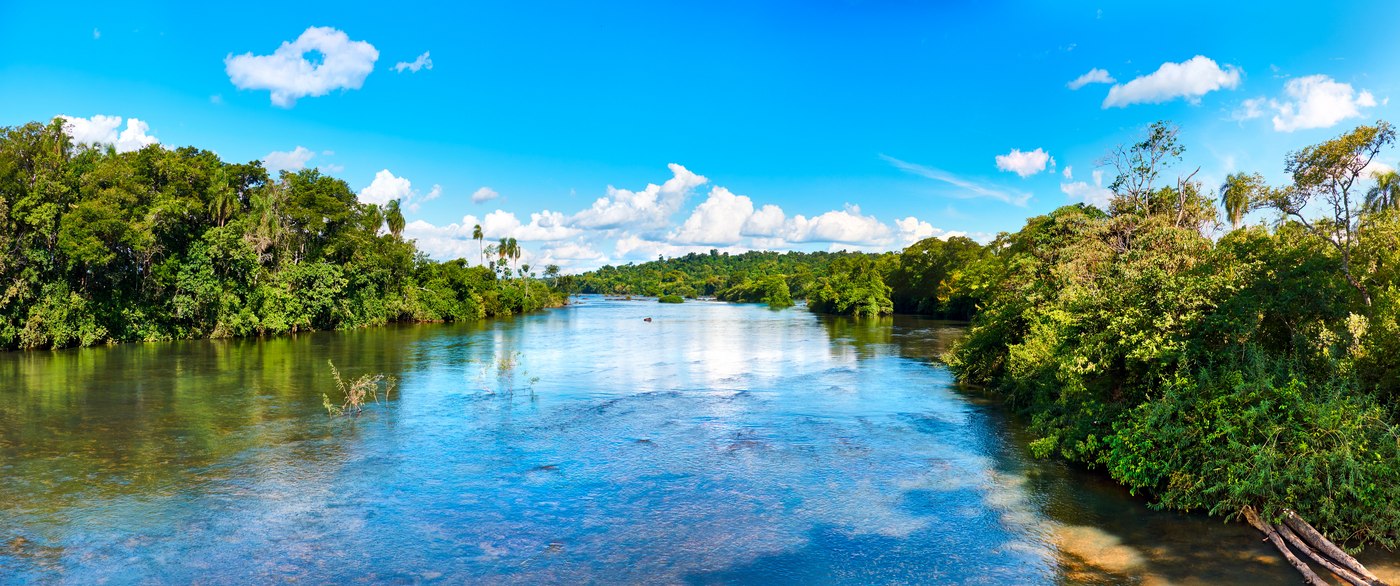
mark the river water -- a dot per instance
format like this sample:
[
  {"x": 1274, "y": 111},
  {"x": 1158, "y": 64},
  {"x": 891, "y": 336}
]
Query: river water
[{"x": 718, "y": 443}]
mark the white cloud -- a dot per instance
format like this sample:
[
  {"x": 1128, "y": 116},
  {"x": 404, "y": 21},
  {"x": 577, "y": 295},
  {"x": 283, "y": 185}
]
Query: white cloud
[
  {"x": 484, "y": 194},
  {"x": 102, "y": 130},
  {"x": 968, "y": 189},
  {"x": 911, "y": 230},
  {"x": 1095, "y": 195},
  {"x": 766, "y": 221},
  {"x": 443, "y": 242},
  {"x": 289, "y": 75},
  {"x": 650, "y": 208},
  {"x": 1189, "y": 79},
  {"x": 1095, "y": 75},
  {"x": 1249, "y": 109},
  {"x": 293, "y": 160},
  {"x": 569, "y": 251},
  {"x": 433, "y": 194},
  {"x": 1069, "y": 172},
  {"x": 1024, "y": 164},
  {"x": 543, "y": 226},
  {"x": 386, "y": 187},
  {"x": 331, "y": 168},
  {"x": 422, "y": 62},
  {"x": 717, "y": 221},
  {"x": 846, "y": 226},
  {"x": 1317, "y": 101}
]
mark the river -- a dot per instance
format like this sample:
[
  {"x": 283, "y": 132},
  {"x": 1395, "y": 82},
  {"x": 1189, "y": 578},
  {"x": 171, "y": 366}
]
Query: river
[{"x": 717, "y": 443}]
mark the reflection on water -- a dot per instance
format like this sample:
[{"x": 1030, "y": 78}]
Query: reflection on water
[{"x": 717, "y": 444}]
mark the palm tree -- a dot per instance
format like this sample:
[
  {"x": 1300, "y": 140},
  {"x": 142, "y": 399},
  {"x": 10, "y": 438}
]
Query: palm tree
[
  {"x": 1235, "y": 195},
  {"x": 502, "y": 252},
  {"x": 224, "y": 201},
  {"x": 479, "y": 236},
  {"x": 1386, "y": 192},
  {"x": 514, "y": 250},
  {"x": 394, "y": 216}
]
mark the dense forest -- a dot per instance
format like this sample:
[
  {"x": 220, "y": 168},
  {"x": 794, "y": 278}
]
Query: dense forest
[
  {"x": 936, "y": 277},
  {"x": 1256, "y": 371},
  {"x": 159, "y": 244}
]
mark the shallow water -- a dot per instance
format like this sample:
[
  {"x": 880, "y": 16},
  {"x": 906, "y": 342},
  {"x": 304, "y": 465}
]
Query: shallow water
[{"x": 719, "y": 443}]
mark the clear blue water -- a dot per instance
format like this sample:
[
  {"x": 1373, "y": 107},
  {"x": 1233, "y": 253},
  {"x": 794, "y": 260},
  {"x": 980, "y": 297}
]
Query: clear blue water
[{"x": 718, "y": 443}]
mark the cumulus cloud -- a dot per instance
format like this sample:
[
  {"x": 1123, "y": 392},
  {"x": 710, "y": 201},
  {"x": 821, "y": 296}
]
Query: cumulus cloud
[
  {"x": 765, "y": 222},
  {"x": 484, "y": 194},
  {"x": 639, "y": 225},
  {"x": 1069, "y": 172},
  {"x": 911, "y": 230},
  {"x": 1318, "y": 101},
  {"x": 1095, "y": 75},
  {"x": 386, "y": 187},
  {"x": 290, "y": 75},
  {"x": 293, "y": 160},
  {"x": 567, "y": 252},
  {"x": 433, "y": 194},
  {"x": 966, "y": 188},
  {"x": 1189, "y": 79},
  {"x": 847, "y": 226},
  {"x": 1024, "y": 164},
  {"x": 443, "y": 242},
  {"x": 719, "y": 220},
  {"x": 650, "y": 208},
  {"x": 102, "y": 130},
  {"x": 422, "y": 62},
  {"x": 1096, "y": 195},
  {"x": 543, "y": 226}
]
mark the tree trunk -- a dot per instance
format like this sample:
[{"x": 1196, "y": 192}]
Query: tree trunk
[
  {"x": 1317, "y": 540},
  {"x": 1309, "y": 578},
  {"x": 1298, "y": 544}
]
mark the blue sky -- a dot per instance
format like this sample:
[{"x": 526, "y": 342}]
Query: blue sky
[{"x": 804, "y": 126}]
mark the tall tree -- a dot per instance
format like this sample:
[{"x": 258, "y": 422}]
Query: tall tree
[
  {"x": 1331, "y": 172},
  {"x": 394, "y": 217},
  {"x": 479, "y": 237},
  {"x": 1238, "y": 193},
  {"x": 1140, "y": 164}
]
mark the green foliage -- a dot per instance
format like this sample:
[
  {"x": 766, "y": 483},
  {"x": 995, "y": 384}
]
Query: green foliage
[
  {"x": 670, "y": 299},
  {"x": 854, "y": 286},
  {"x": 101, "y": 247},
  {"x": 1207, "y": 375},
  {"x": 942, "y": 278}
]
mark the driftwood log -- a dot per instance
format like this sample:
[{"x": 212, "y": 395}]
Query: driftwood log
[{"x": 1296, "y": 534}]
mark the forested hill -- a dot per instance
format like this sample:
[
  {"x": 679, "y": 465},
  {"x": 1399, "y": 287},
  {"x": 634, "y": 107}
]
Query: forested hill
[
  {"x": 934, "y": 277},
  {"x": 100, "y": 246}
]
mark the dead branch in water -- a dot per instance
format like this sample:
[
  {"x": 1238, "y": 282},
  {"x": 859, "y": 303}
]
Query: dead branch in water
[
  {"x": 1309, "y": 578},
  {"x": 1317, "y": 540},
  {"x": 1296, "y": 532}
]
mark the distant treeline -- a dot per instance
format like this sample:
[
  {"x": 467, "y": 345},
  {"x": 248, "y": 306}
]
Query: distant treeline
[
  {"x": 98, "y": 246},
  {"x": 932, "y": 277}
]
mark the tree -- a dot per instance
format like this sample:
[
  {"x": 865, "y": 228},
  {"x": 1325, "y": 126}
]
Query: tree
[
  {"x": 478, "y": 236},
  {"x": 1330, "y": 172},
  {"x": 1385, "y": 194},
  {"x": 394, "y": 216},
  {"x": 1138, "y": 166},
  {"x": 223, "y": 200},
  {"x": 1239, "y": 192}
]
